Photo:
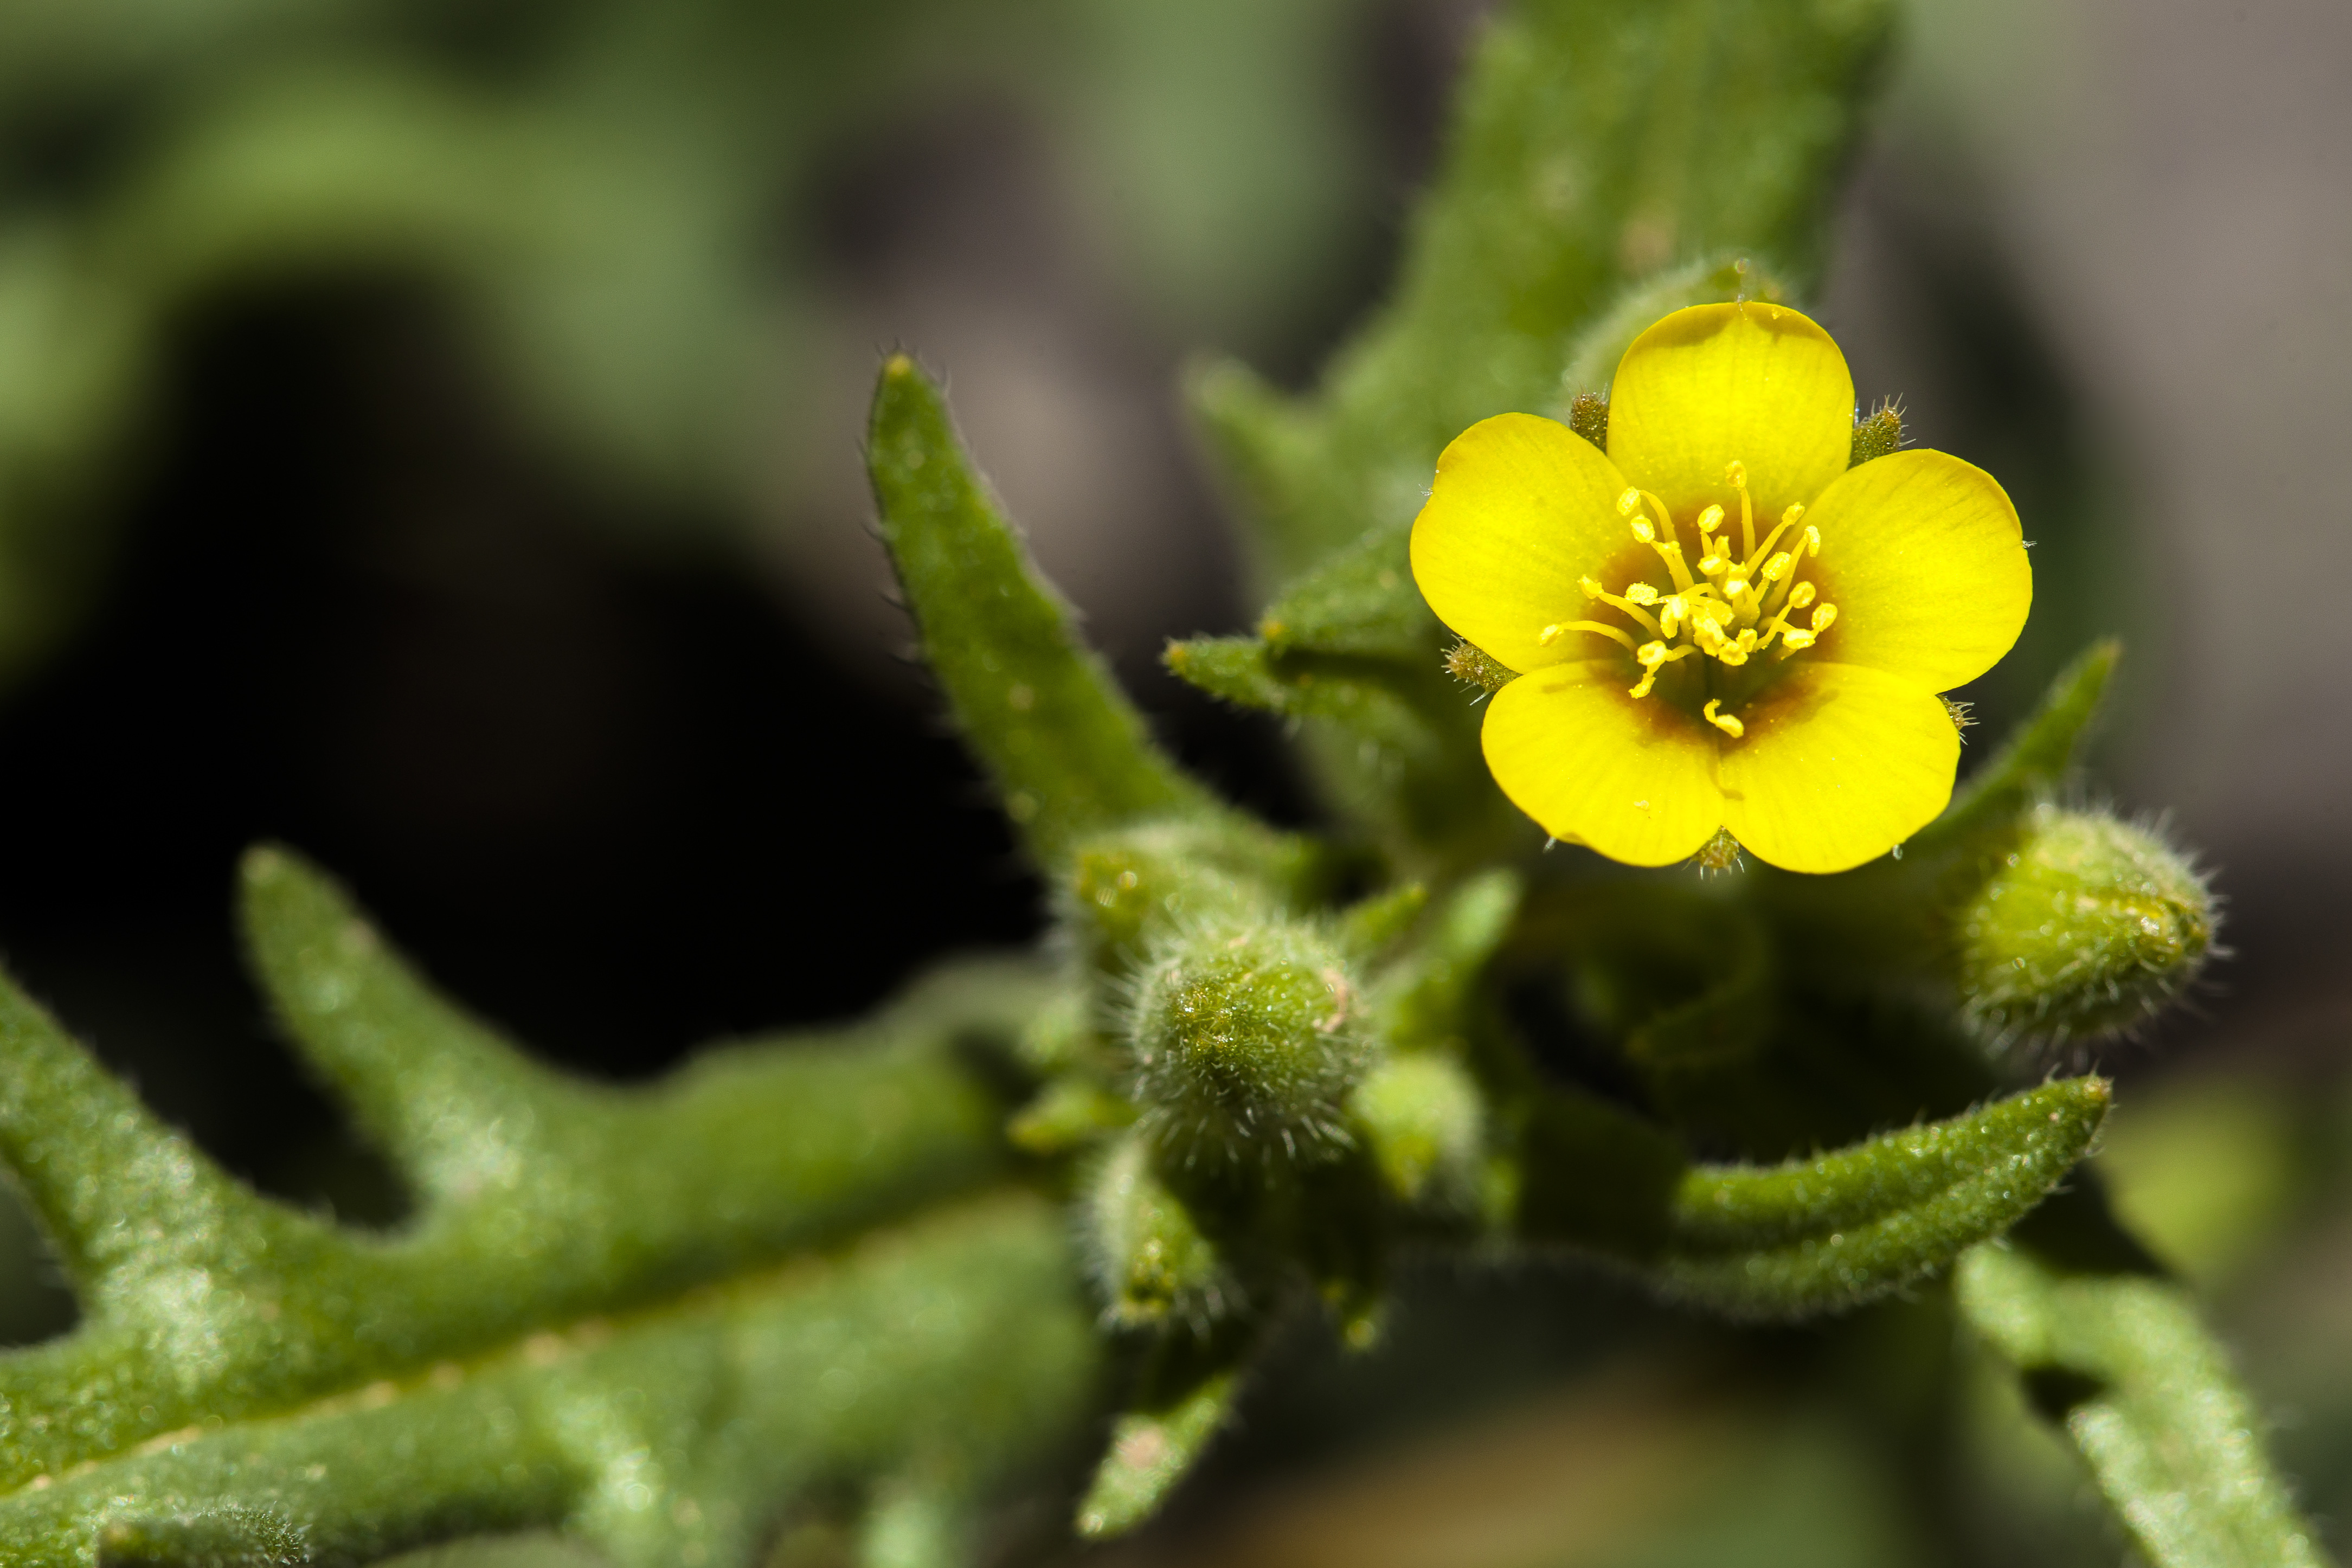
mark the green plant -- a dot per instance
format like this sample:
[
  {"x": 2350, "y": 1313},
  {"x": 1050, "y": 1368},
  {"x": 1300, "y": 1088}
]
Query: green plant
[{"x": 1267, "y": 1064}]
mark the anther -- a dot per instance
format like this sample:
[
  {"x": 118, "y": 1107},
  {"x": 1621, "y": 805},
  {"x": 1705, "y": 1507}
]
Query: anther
[
  {"x": 1778, "y": 567},
  {"x": 1591, "y": 586},
  {"x": 1641, "y": 594},
  {"x": 1710, "y": 520},
  {"x": 1643, "y": 530},
  {"x": 1789, "y": 518},
  {"x": 1629, "y": 503},
  {"x": 1724, "y": 721},
  {"x": 1650, "y": 655},
  {"x": 1735, "y": 473},
  {"x": 1812, "y": 540},
  {"x": 1822, "y": 617},
  {"x": 1801, "y": 594}
]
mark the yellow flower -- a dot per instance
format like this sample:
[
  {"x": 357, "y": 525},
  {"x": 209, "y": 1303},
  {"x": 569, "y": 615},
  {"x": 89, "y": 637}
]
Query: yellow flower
[{"x": 1719, "y": 625}]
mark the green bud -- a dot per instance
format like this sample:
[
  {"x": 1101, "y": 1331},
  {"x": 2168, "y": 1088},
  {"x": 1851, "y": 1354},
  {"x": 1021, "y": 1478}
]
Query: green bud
[
  {"x": 1473, "y": 666},
  {"x": 1587, "y": 416},
  {"x": 1246, "y": 1040},
  {"x": 2087, "y": 926},
  {"x": 1876, "y": 435},
  {"x": 1145, "y": 1250},
  {"x": 1426, "y": 1123}
]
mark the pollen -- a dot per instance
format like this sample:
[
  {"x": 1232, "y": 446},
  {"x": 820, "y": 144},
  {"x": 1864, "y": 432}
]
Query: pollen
[{"x": 1737, "y": 603}]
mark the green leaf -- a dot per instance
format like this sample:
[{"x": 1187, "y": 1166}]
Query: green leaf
[
  {"x": 1595, "y": 144},
  {"x": 1357, "y": 696},
  {"x": 2034, "y": 761},
  {"x": 1807, "y": 1236},
  {"x": 1070, "y": 754},
  {"x": 1150, "y": 1451},
  {"x": 2123, "y": 1362},
  {"x": 1361, "y": 600},
  {"x": 618, "y": 1313}
]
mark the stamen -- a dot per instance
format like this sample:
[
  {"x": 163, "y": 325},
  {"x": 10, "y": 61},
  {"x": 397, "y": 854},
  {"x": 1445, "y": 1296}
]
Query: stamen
[
  {"x": 1778, "y": 567},
  {"x": 1800, "y": 596},
  {"x": 1666, "y": 518},
  {"x": 1736, "y": 472},
  {"x": 1788, "y": 520},
  {"x": 1671, "y": 554},
  {"x": 1724, "y": 721},
  {"x": 1552, "y": 633},
  {"x": 1822, "y": 617},
  {"x": 1652, "y": 658},
  {"x": 1629, "y": 503},
  {"x": 1641, "y": 594}
]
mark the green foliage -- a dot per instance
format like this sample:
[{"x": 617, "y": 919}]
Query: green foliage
[
  {"x": 1807, "y": 1236},
  {"x": 1595, "y": 145},
  {"x": 1265, "y": 1067},
  {"x": 608, "y": 1311},
  {"x": 1069, "y": 751},
  {"x": 614, "y": 204},
  {"x": 2140, "y": 1385}
]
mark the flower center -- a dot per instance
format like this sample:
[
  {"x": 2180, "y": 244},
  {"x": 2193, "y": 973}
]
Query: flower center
[{"x": 1738, "y": 601}]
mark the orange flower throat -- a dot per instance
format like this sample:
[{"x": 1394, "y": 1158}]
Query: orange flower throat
[{"x": 1734, "y": 603}]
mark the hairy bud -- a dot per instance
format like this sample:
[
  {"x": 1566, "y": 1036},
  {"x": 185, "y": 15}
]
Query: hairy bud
[
  {"x": 1473, "y": 666},
  {"x": 1876, "y": 435},
  {"x": 1145, "y": 1250},
  {"x": 2089, "y": 926},
  {"x": 1246, "y": 1038}
]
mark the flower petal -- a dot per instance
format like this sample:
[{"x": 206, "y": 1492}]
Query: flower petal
[
  {"x": 1922, "y": 554},
  {"x": 1632, "y": 777},
  {"x": 1755, "y": 382},
  {"x": 1839, "y": 765},
  {"x": 1521, "y": 509}
]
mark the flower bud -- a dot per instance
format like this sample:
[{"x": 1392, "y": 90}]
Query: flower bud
[
  {"x": 1425, "y": 1124},
  {"x": 1246, "y": 1038},
  {"x": 2087, "y": 926},
  {"x": 1145, "y": 1250}
]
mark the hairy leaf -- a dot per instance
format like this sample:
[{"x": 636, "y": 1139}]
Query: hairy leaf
[
  {"x": 2122, "y": 1362},
  {"x": 608, "y": 1311},
  {"x": 2035, "y": 760},
  {"x": 1070, "y": 752},
  {"x": 1595, "y": 145},
  {"x": 1807, "y": 1236}
]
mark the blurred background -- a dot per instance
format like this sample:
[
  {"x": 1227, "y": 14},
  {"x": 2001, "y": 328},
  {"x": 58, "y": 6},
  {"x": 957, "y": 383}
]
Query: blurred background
[{"x": 429, "y": 435}]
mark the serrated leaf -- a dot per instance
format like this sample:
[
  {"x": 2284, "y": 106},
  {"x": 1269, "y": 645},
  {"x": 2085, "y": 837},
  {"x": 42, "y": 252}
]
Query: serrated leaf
[
  {"x": 2122, "y": 1362},
  {"x": 1069, "y": 751},
  {"x": 1807, "y": 1236},
  {"x": 241, "y": 1367}
]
